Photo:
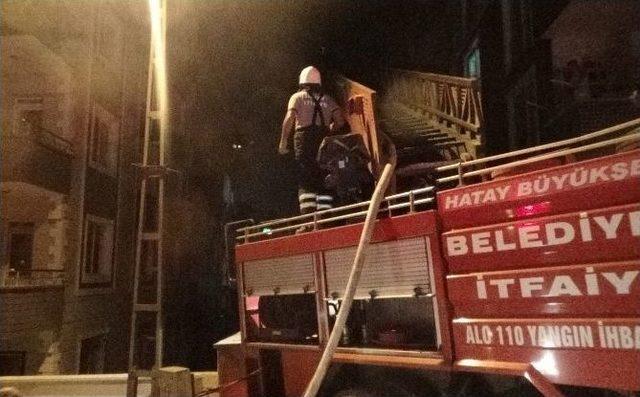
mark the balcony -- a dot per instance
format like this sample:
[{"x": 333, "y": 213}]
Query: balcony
[
  {"x": 32, "y": 310},
  {"x": 38, "y": 157},
  {"x": 33, "y": 278},
  {"x": 37, "y": 115}
]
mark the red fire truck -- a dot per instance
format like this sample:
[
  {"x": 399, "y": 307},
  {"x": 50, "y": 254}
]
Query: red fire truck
[{"x": 518, "y": 275}]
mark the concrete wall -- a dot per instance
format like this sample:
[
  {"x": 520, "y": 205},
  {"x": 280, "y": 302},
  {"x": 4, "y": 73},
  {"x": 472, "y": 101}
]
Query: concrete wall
[
  {"x": 597, "y": 30},
  {"x": 47, "y": 212},
  {"x": 66, "y": 31},
  {"x": 31, "y": 321},
  {"x": 106, "y": 385},
  {"x": 79, "y": 385}
]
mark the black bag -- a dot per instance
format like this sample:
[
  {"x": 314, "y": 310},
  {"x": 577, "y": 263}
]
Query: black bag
[{"x": 346, "y": 158}]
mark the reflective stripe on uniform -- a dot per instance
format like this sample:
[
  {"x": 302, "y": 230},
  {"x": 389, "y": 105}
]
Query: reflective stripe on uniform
[
  {"x": 307, "y": 196},
  {"x": 310, "y": 204},
  {"x": 324, "y": 202}
]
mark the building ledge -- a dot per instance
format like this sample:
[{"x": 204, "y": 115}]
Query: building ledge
[{"x": 92, "y": 385}]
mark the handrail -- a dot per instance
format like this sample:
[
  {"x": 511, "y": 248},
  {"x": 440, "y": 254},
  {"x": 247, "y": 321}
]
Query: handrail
[
  {"x": 542, "y": 157},
  {"x": 339, "y": 218},
  {"x": 314, "y": 219},
  {"x": 32, "y": 278},
  {"x": 452, "y": 102},
  {"x": 444, "y": 78},
  {"x": 53, "y": 141},
  {"x": 552, "y": 145}
]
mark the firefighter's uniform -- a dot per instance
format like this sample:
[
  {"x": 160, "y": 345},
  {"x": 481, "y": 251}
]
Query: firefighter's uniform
[{"x": 314, "y": 112}]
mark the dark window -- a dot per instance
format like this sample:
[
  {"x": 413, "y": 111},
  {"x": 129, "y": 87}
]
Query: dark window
[
  {"x": 20, "y": 245},
  {"x": 92, "y": 355},
  {"x": 12, "y": 363},
  {"x": 94, "y": 238},
  {"x": 472, "y": 63},
  {"x": 28, "y": 116},
  {"x": 30, "y": 121},
  {"x": 98, "y": 250},
  {"x": 100, "y": 143},
  {"x": 103, "y": 141}
]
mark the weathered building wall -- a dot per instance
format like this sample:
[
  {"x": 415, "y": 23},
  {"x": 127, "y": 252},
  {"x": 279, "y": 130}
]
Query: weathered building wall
[
  {"x": 104, "y": 47},
  {"x": 31, "y": 320},
  {"x": 528, "y": 95},
  {"x": 599, "y": 31}
]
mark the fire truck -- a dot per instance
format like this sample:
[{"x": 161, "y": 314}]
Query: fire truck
[{"x": 515, "y": 275}]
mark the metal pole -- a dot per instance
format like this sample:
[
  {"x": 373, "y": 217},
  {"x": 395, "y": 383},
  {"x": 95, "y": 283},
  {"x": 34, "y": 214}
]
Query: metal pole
[{"x": 227, "y": 279}]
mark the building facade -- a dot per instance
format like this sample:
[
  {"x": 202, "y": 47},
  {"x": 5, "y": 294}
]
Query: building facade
[
  {"x": 73, "y": 101},
  {"x": 550, "y": 70}
]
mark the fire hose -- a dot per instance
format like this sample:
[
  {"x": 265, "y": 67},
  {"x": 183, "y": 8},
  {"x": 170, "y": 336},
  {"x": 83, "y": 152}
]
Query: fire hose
[{"x": 352, "y": 284}]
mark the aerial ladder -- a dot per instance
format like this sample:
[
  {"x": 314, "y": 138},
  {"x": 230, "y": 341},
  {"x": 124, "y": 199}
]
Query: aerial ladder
[{"x": 146, "y": 333}]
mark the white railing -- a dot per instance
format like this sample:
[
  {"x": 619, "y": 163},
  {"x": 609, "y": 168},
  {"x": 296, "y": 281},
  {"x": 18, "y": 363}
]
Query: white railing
[
  {"x": 629, "y": 131},
  {"x": 12, "y": 278},
  {"x": 624, "y": 133},
  {"x": 53, "y": 141},
  {"x": 447, "y": 100},
  {"x": 407, "y": 201}
]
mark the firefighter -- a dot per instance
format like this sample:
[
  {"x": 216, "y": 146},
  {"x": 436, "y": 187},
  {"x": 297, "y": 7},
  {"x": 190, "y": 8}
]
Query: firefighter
[{"x": 314, "y": 115}]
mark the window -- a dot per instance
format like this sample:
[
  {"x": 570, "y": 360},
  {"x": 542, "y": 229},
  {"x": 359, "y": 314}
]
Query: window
[
  {"x": 27, "y": 116},
  {"x": 92, "y": 355},
  {"x": 472, "y": 62},
  {"x": 12, "y": 363},
  {"x": 97, "y": 261},
  {"x": 103, "y": 142},
  {"x": 20, "y": 246}
]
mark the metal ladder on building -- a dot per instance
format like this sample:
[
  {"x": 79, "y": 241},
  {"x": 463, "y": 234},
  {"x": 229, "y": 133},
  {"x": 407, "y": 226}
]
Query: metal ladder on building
[{"x": 146, "y": 333}]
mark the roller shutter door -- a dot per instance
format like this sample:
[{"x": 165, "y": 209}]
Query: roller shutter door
[
  {"x": 287, "y": 275},
  {"x": 391, "y": 269}
]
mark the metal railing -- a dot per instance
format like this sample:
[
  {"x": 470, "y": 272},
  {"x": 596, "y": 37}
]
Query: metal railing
[
  {"x": 12, "y": 278},
  {"x": 454, "y": 103},
  {"x": 406, "y": 202},
  {"x": 630, "y": 132},
  {"x": 47, "y": 139},
  {"x": 419, "y": 199},
  {"x": 53, "y": 141}
]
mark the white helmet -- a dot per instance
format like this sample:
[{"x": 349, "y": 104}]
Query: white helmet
[{"x": 310, "y": 75}]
